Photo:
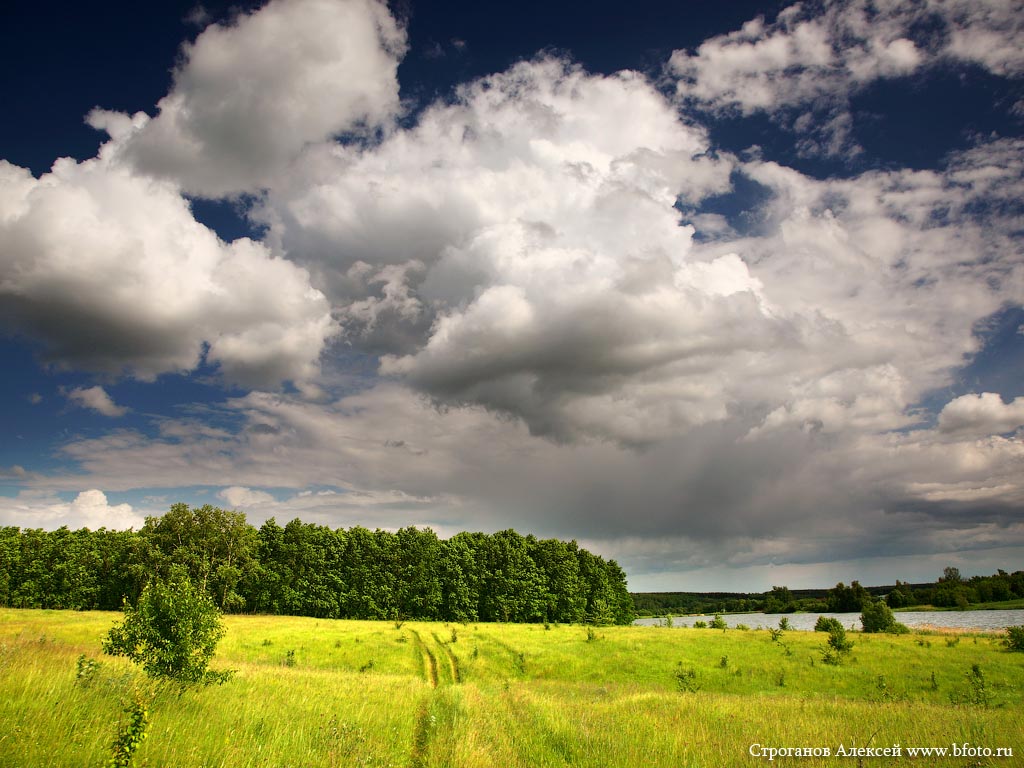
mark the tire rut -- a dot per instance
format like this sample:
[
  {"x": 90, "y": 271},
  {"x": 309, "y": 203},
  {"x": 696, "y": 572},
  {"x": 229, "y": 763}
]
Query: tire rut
[
  {"x": 429, "y": 660},
  {"x": 453, "y": 661}
]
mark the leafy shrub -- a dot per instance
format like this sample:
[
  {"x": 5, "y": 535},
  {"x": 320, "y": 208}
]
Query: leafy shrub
[
  {"x": 885, "y": 692},
  {"x": 838, "y": 642},
  {"x": 718, "y": 622},
  {"x": 686, "y": 679},
  {"x": 1014, "y": 639},
  {"x": 172, "y": 632},
  {"x": 878, "y": 617},
  {"x": 776, "y": 634},
  {"x": 742, "y": 627},
  {"x": 700, "y": 625},
  {"x": 826, "y": 624},
  {"x": 784, "y": 623},
  {"x": 976, "y": 692}
]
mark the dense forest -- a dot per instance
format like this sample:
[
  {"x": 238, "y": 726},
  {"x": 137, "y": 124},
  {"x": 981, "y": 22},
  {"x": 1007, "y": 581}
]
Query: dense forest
[
  {"x": 305, "y": 569},
  {"x": 951, "y": 590}
]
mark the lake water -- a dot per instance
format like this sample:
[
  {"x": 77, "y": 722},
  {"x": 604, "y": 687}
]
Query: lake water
[{"x": 984, "y": 620}]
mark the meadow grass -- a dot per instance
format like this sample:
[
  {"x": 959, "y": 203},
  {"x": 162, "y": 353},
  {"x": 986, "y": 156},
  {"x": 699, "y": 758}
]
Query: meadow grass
[{"x": 310, "y": 692}]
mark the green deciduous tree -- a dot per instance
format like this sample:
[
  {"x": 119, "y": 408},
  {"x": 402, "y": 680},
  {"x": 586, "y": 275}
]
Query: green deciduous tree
[
  {"x": 217, "y": 548},
  {"x": 847, "y": 599},
  {"x": 779, "y": 600},
  {"x": 172, "y": 632}
]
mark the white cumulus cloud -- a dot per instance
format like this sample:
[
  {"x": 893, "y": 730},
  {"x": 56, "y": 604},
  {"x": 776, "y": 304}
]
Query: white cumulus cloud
[
  {"x": 113, "y": 274},
  {"x": 982, "y": 415},
  {"x": 249, "y": 95},
  {"x": 89, "y": 509},
  {"x": 97, "y": 399},
  {"x": 239, "y": 497}
]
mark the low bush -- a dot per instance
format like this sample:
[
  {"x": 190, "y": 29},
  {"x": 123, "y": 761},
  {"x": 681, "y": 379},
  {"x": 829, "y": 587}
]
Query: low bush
[
  {"x": 975, "y": 693},
  {"x": 878, "y": 617},
  {"x": 1014, "y": 639},
  {"x": 826, "y": 624},
  {"x": 838, "y": 641},
  {"x": 686, "y": 679}
]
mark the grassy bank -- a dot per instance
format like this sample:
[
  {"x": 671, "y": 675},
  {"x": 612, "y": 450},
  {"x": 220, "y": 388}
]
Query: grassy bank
[{"x": 343, "y": 693}]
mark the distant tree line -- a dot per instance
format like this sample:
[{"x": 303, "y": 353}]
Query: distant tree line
[
  {"x": 949, "y": 591},
  {"x": 305, "y": 569}
]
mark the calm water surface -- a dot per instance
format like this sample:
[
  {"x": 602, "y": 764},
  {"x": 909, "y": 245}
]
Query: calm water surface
[{"x": 988, "y": 620}]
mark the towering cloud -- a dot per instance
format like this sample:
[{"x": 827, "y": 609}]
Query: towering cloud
[{"x": 248, "y": 96}]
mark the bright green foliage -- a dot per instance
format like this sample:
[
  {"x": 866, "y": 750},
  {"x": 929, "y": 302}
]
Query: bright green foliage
[
  {"x": 172, "y": 632},
  {"x": 130, "y": 736}
]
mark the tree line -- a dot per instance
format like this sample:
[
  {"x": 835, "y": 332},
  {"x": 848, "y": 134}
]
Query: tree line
[
  {"x": 949, "y": 591},
  {"x": 304, "y": 569}
]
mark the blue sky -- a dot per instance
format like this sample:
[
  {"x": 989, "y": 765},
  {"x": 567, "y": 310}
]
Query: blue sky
[{"x": 730, "y": 292}]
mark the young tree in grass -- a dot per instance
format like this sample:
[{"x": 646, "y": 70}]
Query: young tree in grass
[{"x": 172, "y": 632}]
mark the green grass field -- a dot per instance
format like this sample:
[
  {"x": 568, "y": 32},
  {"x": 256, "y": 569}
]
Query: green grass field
[{"x": 313, "y": 692}]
